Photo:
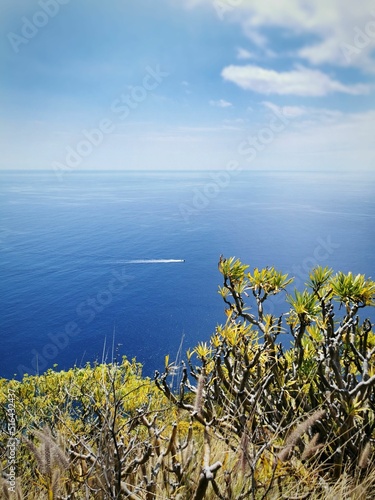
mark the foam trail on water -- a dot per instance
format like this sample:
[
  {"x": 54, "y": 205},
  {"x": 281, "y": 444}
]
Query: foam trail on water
[{"x": 153, "y": 261}]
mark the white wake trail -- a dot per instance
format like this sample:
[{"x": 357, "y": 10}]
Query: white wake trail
[{"x": 152, "y": 261}]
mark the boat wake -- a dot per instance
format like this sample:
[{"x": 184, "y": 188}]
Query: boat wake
[{"x": 153, "y": 261}]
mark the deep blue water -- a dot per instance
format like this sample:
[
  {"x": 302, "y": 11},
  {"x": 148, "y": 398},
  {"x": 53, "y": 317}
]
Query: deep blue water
[{"x": 67, "y": 284}]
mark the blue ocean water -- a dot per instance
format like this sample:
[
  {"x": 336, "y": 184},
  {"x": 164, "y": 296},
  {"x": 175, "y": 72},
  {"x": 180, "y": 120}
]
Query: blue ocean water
[{"x": 95, "y": 256}]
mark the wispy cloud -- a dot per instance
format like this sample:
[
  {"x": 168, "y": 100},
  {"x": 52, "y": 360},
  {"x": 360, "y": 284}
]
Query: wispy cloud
[
  {"x": 299, "y": 111},
  {"x": 243, "y": 53},
  {"x": 322, "y": 143},
  {"x": 333, "y": 25},
  {"x": 290, "y": 111},
  {"x": 221, "y": 103},
  {"x": 300, "y": 81}
]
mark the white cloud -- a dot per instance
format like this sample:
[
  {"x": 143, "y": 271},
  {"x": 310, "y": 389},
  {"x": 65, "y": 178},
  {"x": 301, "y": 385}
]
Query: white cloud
[
  {"x": 257, "y": 38},
  {"x": 334, "y": 24},
  {"x": 243, "y": 53},
  {"x": 344, "y": 142},
  {"x": 221, "y": 103},
  {"x": 300, "y": 81},
  {"x": 313, "y": 139},
  {"x": 319, "y": 53},
  {"x": 288, "y": 111},
  {"x": 306, "y": 113}
]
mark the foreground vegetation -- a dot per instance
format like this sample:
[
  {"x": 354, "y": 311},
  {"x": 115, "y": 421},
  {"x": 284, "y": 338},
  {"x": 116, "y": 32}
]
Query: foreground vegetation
[{"x": 243, "y": 418}]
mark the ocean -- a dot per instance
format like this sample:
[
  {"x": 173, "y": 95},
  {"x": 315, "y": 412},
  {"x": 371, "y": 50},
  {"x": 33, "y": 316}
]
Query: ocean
[{"x": 97, "y": 265}]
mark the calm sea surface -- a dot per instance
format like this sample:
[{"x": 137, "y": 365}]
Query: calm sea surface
[{"x": 94, "y": 257}]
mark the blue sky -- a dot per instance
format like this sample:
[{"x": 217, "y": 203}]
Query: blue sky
[{"x": 187, "y": 84}]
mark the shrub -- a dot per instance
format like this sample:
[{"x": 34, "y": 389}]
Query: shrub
[
  {"x": 311, "y": 405},
  {"x": 250, "y": 417}
]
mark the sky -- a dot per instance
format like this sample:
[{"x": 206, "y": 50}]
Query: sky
[{"x": 187, "y": 84}]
